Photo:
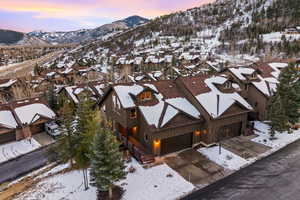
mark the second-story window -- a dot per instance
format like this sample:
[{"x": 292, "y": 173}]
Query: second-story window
[
  {"x": 146, "y": 96},
  {"x": 227, "y": 85},
  {"x": 133, "y": 113}
]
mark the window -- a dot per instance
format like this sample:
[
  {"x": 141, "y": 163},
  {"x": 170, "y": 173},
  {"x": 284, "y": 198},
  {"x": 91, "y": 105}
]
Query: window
[
  {"x": 133, "y": 113},
  {"x": 227, "y": 85},
  {"x": 146, "y": 96},
  {"x": 253, "y": 76}
]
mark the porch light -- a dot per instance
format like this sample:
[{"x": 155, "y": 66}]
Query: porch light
[
  {"x": 205, "y": 131},
  {"x": 134, "y": 130},
  {"x": 156, "y": 142},
  {"x": 197, "y": 132}
]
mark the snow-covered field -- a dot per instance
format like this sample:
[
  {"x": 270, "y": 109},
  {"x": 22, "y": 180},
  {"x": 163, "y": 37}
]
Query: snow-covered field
[
  {"x": 231, "y": 161},
  {"x": 14, "y": 149},
  {"x": 143, "y": 184}
]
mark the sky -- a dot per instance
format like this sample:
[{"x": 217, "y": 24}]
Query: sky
[{"x": 67, "y": 15}]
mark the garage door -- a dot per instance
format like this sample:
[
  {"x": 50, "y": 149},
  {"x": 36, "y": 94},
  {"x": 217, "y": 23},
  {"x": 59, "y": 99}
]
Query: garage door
[
  {"x": 7, "y": 137},
  {"x": 230, "y": 131},
  {"x": 35, "y": 129},
  {"x": 177, "y": 143}
]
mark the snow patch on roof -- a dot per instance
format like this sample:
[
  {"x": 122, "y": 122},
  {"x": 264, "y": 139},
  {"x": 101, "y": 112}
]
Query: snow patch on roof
[
  {"x": 152, "y": 113},
  {"x": 184, "y": 105},
  {"x": 170, "y": 114},
  {"x": 123, "y": 93},
  {"x": 7, "y": 119},
  {"x": 240, "y": 72},
  {"x": 30, "y": 113}
]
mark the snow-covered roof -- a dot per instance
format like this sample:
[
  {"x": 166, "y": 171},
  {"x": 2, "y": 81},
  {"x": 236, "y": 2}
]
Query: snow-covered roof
[
  {"x": 152, "y": 113},
  {"x": 184, "y": 105},
  {"x": 277, "y": 67},
  {"x": 266, "y": 85},
  {"x": 8, "y": 83},
  {"x": 32, "y": 112},
  {"x": 24, "y": 112},
  {"x": 123, "y": 92},
  {"x": 241, "y": 71},
  {"x": 215, "y": 102},
  {"x": 7, "y": 119}
]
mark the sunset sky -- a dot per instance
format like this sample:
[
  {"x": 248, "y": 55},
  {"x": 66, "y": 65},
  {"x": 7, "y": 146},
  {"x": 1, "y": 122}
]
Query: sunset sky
[{"x": 66, "y": 15}]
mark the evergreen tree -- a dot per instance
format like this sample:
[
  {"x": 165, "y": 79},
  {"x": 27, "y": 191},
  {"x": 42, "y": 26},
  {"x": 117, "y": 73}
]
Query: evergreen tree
[
  {"x": 51, "y": 98},
  {"x": 87, "y": 122},
  {"x": 67, "y": 143},
  {"x": 107, "y": 165},
  {"x": 285, "y": 103}
]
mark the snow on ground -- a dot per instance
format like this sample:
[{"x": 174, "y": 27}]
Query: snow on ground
[
  {"x": 226, "y": 159},
  {"x": 14, "y": 149},
  {"x": 282, "y": 140},
  {"x": 231, "y": 161},
  {"x": 143, "y": 184},
  {"x": 277, "y": 36}
]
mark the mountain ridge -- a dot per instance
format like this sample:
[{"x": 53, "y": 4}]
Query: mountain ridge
[{"x": 83, "y": 35}]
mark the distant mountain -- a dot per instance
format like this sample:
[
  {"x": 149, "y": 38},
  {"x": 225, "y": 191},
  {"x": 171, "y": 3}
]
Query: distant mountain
[
  {"x": 8, "y": 37},
  {"x": 84, "y": 35}
]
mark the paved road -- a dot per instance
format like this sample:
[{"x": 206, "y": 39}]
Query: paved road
[
  {"x": 276, "y": 177},
  {"x": 25, "y": 164}
]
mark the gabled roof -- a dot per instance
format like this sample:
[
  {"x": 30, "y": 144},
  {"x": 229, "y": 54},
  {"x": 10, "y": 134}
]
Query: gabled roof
[
  {"x": 214, "y": 101},
  {"x": 240, "y": 72},
  {"x": 5, "y": 83},
  {"x": 167, "y": 103},
  {"x": 27, "y": 111}
]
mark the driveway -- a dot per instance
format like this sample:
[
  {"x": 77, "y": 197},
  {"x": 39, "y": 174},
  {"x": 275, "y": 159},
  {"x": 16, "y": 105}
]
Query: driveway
[
  {"x": 43, "y": 138},
  {"x": 194, "y": 167},
  {"x": 276, "y": 177},
  {"x": 244, "y": 147},
  {"x": 25, "y": 164}
]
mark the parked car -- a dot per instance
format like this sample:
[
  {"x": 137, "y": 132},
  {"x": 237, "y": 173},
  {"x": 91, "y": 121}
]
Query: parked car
[{"x": 52, "y": 129}]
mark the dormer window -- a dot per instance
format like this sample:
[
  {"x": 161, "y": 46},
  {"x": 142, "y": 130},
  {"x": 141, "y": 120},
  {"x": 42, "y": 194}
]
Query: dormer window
[
  {"x": 253, "y": 76},
  {"x": 228, "y": 85},
  {"x": 147, "y": 95}
]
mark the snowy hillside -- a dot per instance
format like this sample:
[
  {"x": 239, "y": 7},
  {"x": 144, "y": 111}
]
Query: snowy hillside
[
  {"x": 8, "y": 37},
  {"x": 220, "y": 34},
  {"x": 89, "y": 34}
]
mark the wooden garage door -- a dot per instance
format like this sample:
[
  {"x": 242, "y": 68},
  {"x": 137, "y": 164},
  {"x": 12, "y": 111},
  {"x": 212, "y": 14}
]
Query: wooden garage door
[
  {"x": 231, "y": 130},
  {"x": 35, "y": 129},
  {"x": 177, "y": 143},
  {"x": 7, "y": 137}
]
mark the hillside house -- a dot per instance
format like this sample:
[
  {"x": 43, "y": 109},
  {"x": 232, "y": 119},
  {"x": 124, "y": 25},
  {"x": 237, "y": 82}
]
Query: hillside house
[
  {"x": 162, "y": 117},
  {"x": 24, "y": 118}
]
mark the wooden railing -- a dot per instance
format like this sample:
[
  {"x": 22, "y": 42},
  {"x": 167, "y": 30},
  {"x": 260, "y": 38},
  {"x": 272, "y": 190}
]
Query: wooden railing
[{"x": 136, "y": 149}]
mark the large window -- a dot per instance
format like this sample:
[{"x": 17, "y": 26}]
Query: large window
[{"x": 146, "y": 96}]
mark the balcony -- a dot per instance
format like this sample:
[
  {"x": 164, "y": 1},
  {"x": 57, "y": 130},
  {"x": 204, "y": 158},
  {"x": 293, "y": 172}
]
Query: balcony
[{"x": 137, "y": 150}]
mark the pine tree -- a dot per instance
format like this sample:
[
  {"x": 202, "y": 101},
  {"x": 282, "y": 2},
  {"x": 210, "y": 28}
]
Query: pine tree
[
  {"x": 51, "y": 98},
  {"x": 68, "y": 141},
  {"x": 107, "y": 165},
  {"x": 87, "y": 122},
  {"x": 285, "y": 103}
]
